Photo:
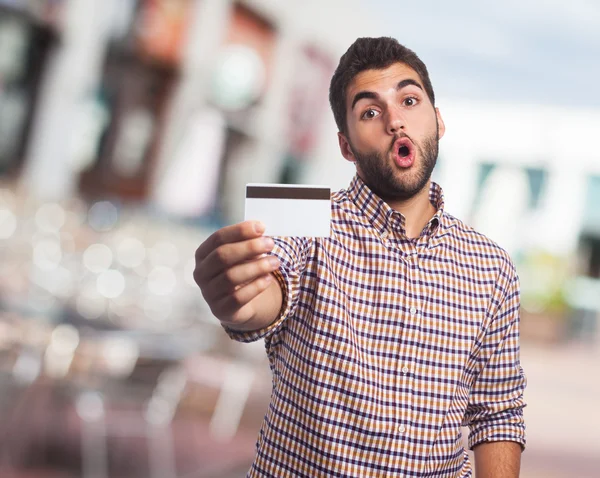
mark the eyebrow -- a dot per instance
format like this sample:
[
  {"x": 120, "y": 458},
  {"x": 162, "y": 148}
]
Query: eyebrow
[{"x": 372, "y": 95}]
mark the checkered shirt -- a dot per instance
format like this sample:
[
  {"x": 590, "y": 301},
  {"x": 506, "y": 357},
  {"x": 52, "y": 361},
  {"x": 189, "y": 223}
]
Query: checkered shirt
[{"x": 386, "y": 346}]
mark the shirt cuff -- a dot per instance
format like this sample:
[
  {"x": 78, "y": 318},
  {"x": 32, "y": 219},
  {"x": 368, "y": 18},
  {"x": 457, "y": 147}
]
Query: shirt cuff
[
  {"x": 269, "y": 330},
  {"x": 511, "y": 428}
]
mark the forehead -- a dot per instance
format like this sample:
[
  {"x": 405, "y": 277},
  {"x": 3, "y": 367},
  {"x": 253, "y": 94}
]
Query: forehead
[{"x": 381, "y": 80}]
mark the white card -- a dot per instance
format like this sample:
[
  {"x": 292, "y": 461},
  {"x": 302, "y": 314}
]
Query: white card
[{"x": 290, "y": 209}]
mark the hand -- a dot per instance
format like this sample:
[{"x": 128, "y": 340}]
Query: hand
[{"x": 232, "y": 273}]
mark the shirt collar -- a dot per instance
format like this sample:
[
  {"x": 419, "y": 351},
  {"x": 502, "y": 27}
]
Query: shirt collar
[{"x": 382, "y": 217}]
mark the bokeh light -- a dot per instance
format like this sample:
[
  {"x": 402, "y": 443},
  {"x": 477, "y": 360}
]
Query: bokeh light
[
  {"x": 8, "y": 223},
  {"x": 50, "y": 217},
  {"x": 131, "y": 252},
  {"x": 97, "y": 258},
  {"x": 162, "y": 281},
  {"x": 64, "y": 339},
  {"x": 103, "y": 216},
  {"x": 111, "y": 284},
  {"x": 89, "y": 303},
  {"x": 47, "y": 254},
  {"x": 90, "y": 307}
]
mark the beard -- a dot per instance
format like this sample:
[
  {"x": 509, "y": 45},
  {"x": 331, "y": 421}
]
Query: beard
[{"x": 380, "y": 176}]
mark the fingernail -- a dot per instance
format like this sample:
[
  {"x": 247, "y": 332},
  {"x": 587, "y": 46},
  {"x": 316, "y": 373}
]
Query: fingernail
[
  {"x": 268, "y": 242},
  {"x": 259, "y": 227},
  {"x": 274, "y": 262}
]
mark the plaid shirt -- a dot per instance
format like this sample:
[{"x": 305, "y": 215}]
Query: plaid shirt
[{"x": 386, "y": 346}]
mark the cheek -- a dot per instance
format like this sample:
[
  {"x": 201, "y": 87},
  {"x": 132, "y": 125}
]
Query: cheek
[
  {"x": 425, "y": 128},
  {"x": 369, "y": 135},
  {"x": 358, "y": 138}
]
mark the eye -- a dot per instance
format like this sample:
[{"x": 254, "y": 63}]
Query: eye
[
  {"x": 370, "y": 114},
  {"x": 410, "y": 101}
]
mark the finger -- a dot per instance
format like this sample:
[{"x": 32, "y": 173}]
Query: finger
[
  {"x": 230, "y": 234},
  {"x": 230, "y": 255},
  {"x": 238, "y": 276},
  {"x": 232, "y": 303}
]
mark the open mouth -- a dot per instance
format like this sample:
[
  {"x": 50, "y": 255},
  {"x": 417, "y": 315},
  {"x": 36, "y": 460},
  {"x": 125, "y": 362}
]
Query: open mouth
[{"x": 404, "y": 151}]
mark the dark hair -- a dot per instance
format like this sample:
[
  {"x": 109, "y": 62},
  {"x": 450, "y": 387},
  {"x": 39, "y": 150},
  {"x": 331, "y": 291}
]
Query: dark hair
[{"x": 371, "y": 54}]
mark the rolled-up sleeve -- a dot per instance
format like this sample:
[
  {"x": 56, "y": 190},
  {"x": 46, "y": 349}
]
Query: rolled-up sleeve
[
  {"x": 292, "y": 253},
  {"x": 496, "y": 402}
]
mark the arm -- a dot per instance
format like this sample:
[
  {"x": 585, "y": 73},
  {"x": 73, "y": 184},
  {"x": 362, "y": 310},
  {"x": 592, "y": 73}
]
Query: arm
[
  {"x": 494, "y": 413},
  {"x": 236, "y": 278},
  {"x": 501, "y": 459}
]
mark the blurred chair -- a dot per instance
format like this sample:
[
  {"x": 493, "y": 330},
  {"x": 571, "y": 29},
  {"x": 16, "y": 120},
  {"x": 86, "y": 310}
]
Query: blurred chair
[
  {"x": 235, "y": 387},
  {"x": 22, "y": 363},
  {"x": 152, "y": 422}
]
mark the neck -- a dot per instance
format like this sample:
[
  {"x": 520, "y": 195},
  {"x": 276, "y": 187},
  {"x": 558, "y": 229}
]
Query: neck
[{"x": 417, "y": 211}]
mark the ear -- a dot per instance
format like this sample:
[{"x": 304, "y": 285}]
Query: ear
[
  {"x": 345, "y": 148},
  {"x": 441, "y": 125}
]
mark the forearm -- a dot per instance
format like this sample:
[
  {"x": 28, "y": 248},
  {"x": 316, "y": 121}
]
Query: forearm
[
  {"x": 500, "y": 459},
  {"x": 266, "y": 308}
]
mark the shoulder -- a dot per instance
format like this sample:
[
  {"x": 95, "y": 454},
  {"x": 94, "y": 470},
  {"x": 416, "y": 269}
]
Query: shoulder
[
  {"x": 346, "y": 216},
  {"x": 340, "y": 198},
  {"x": 342, "y": 205},
  {"x": 464, "y": 239}
]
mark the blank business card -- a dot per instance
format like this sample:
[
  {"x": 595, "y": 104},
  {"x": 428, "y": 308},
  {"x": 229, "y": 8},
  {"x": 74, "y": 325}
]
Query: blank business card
[{"x": 290, "y": 210}]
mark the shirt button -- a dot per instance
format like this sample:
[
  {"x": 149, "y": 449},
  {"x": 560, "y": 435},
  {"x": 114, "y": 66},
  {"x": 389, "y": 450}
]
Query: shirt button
[
  {"x": 402, "y": 429},
  {"x": 405, "y": 369},
  {"x": 413, "y": 311}
]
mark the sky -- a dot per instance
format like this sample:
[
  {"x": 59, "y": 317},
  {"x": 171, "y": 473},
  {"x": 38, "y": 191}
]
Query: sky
[{"x": 525, "y": 51}]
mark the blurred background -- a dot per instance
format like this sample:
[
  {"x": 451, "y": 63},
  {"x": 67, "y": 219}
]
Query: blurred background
[{"x": 128, "y": 130}]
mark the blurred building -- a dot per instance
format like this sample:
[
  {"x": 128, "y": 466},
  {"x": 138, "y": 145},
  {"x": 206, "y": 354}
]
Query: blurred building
[
  {"x": 528, "y": 176},
  {"x": 176, "y": 102},
  {"x": 27, "y": 37}
]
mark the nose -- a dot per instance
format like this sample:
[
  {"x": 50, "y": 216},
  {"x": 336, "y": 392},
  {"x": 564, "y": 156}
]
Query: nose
[{"x": 395, "y": 122}]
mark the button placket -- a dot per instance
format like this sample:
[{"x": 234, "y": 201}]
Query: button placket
[
  {"x": 404, "y": 413},
  {"x": 408, "y": 368}
]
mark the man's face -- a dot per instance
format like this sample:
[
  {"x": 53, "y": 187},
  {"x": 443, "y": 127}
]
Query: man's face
[{"x": 393, "y": 131}]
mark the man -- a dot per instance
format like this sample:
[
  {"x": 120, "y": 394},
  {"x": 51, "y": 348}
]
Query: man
[{"x": 401, "y": 327}]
